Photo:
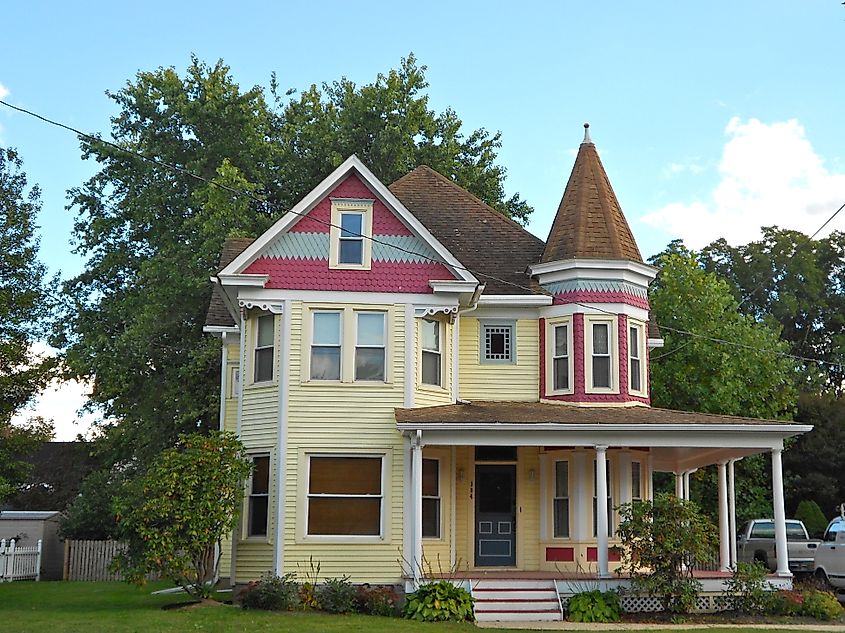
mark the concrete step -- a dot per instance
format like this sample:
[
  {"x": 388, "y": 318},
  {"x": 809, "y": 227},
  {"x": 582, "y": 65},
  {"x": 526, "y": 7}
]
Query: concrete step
[
  {"x": 511, "y": 600},
  {"x": 518, "y": 616},
  {"x": 489, "y": 606},
  {"x": 515, "y": 594}
]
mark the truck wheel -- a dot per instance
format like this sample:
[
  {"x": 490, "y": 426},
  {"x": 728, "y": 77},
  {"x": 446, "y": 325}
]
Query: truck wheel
[
  {"x": 822, "y": 579},
  {"x": 762, "y": 557}
]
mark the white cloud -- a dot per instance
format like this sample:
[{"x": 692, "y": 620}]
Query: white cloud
[
  {"x": 4, "y": 91},
  {"x": 679, "y": 168},
  {"x": 60, "y": 402},
  {"x": 769, "y": 175}
]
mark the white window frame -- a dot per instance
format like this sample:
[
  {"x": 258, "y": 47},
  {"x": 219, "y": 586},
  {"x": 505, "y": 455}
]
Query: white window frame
[
  {"x": 438, "y": 498},
  {"x": 234, "y": 391},
  {"x": 567, "y": 498},
  {"x": 383, "y": 497},
  {"x": 441, "y": 338},
  {"x": 250, "y": 495},
  {"x": 613, "y": 350},
  {"x": 348, "y": 342},
  {"x": 551, "y": 324},
  {"x": 486, "y": 325},
  {"x": 358, "y": 345},
  {"x": 641, "y": 358},
  {"x": 364, "y": 208},
  {"x": 256, "y": 348}
]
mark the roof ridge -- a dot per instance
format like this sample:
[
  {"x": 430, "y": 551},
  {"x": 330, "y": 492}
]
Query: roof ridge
[{"x": 486, "y": 206}]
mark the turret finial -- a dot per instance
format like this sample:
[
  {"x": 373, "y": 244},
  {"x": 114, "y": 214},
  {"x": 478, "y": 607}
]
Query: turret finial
[{"x": 587, "y": 138}]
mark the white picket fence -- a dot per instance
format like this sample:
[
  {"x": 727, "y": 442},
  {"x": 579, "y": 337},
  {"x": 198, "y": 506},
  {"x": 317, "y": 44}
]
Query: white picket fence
[{"x": 19, "y": 563}]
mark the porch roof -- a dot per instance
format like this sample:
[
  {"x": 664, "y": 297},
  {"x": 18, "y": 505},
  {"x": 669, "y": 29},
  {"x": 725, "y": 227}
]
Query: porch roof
[{"x": 677, "y": 440}]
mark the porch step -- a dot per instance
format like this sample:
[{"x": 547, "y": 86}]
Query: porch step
[{"x": 515, "y": 600}]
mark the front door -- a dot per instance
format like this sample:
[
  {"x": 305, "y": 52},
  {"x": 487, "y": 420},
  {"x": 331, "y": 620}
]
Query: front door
[{"x": 495, "y": 515}]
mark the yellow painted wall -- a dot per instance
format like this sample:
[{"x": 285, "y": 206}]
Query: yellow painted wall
[
  {"x": 499, "y": 381},
  {"x": 350, "y": 418}
]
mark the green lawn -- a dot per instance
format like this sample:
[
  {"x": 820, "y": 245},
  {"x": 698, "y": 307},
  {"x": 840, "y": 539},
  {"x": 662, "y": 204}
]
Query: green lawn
[{"x": 90, "y": 607}]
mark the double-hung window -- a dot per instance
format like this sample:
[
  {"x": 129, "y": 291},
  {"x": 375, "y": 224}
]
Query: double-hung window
[
  {"x": 497, "y": 340},
  {"x": 326, "y": 346},
  {"x": 561, "y": 500},
  {"x": 350, "y": 234},
  {"x": 636, "y": 375},
  {"x": 601, "y": 355},
  {"x": 351, "y": 246},
  {"x": 259, "y": 496},
  {"x": 369, "y": 346},
  {"x": 432, "y": 356},
  {"x": 636, "y": 481},
  {"x": 345, "y": 495},
  {"x": 431, "y": 498},
  {"x": 601, "y": 360},
  {"x": 560, "y": 357},
  {"x": 264, "y": 348}
]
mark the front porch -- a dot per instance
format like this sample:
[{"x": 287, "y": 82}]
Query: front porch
[{"x": 498, "y": 489}]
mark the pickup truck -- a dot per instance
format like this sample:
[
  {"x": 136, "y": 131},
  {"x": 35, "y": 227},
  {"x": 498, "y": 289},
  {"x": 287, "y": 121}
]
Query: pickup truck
[
  {"x": 830, "y": 554},
  {"x": 756, "y": 541}
]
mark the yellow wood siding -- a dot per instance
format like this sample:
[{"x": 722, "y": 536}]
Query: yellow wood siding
[
  {"x": 348, "y": 418},
  {"x": 499, "y": 381}
]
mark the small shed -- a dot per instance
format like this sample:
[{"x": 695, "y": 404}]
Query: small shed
[{"x": 29, "y": 527}]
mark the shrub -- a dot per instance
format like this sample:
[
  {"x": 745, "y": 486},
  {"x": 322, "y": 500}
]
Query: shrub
[
  {"x": 272, "y": 593},
  {"x": 439, "y": 601},
  {"x": 661, "y": 541},
  {"x": 376, "y": 600},
  {"x": 812, "y": 516},
  {"x": 336, "y": 595},
  {"x": 821, "y": 605},
  {"x": 788, "y": 602},
  {"x": 593, "y": 606},
  {"x": 747, "y": 590}
]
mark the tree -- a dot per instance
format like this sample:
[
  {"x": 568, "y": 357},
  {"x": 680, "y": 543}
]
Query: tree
[
  {"x": 91, "y": 515},
  {"x": 796, "y": 283},
  {"x": 54, "y": 479},
  {"x": 661, "y": 541},
  {"x": 25, "y": 304},
  {"x": 173, "y": 517},
  {"x": 132, "y": 321},
  {"x": 811, "y": 515},
  {"x": 746, "y": 375}
]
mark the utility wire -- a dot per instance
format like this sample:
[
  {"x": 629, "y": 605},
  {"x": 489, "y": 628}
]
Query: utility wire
[{"x": 251, "y": 196}]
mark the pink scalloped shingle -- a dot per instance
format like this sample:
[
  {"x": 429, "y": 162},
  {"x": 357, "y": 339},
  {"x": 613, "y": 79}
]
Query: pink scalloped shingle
[
  {"x": 317, "y": 220},
  {"x": 599, "y": 296},
  {"x": 311, "y": 274}
]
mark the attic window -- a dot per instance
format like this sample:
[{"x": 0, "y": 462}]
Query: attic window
[
  {"x": 497, "y": 342},
  {"x": 351, "y": 234}
]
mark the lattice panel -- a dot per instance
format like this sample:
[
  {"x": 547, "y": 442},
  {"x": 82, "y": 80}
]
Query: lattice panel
[{"x": 651, "y": 604}]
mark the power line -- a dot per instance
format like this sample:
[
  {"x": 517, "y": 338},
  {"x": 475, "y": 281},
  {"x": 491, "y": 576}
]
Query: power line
[{"x": 251, "y": 196}]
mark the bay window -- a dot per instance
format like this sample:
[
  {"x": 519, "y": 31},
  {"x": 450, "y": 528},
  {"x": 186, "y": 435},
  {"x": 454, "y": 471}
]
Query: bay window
[
  {"x": 432, "y": 356},
  {"x": 264, "y": 348}
]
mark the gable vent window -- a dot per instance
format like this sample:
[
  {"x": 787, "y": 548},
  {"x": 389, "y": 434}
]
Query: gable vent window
[
  {"x": 601, "y": 355},
  {"x": 351, "y": 249},
  {"x": 264, "y": 348},
  {"x": 498, "y": 341}
]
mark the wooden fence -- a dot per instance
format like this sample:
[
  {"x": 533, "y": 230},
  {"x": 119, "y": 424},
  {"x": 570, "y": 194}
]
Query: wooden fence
[
  {"x": 90, "y": 560},
  {"x": 19, "y": 563}
]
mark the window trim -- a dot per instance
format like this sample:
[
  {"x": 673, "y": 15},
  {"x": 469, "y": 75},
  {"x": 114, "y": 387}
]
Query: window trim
[
  {"x": 233, "y": 391},
  {"x": 348, "y": 342},
  {"x": 254, "y": 346},
  {"x": 483, "y": 325},
  {"x": 637, "y": 495},
  {"x": 382, "y": 347},
  {"x": 551, "y": 324},
  {"x": 382, "y": 536},
  {"x": 568, "y": 497},
  {"x": 438, "y": 498},
  {"x": 613, "y": 351},
  {"x": 247, "y": 501},
  {"x": 642, "y": 358},
  {"x": 441, "y": 338},
  {"x": 341, "y": 206},
  {"x": 311, "y": 319}
]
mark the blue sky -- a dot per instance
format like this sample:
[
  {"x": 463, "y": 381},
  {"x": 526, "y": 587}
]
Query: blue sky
[{"x": 711, "y": 118}]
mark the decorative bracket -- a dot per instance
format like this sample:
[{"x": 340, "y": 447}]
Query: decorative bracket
[
  {"x": 425, "y": 311},
  {"x": 274, "y": 308}
]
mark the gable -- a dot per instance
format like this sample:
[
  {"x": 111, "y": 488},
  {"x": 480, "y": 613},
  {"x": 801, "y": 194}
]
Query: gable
[{"x": 298, "y": 258}]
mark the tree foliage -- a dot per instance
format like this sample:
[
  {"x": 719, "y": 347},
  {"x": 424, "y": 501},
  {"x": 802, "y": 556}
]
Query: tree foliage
[
  {"x": 796, "y": 284},
  {"x": 661, "y": 541},
  {"x": 57, "y": 469},
  {"x": 25, "y": 304},
  {"x": 185, "y": 503}
]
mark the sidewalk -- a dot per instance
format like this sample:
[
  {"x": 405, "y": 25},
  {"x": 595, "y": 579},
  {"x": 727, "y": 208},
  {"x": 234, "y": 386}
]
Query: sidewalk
[{"x": 589, "y": 626}]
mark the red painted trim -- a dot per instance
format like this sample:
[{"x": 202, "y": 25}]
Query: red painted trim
[
  {"x": 562, "y": 554},
  {"x": 315, "y": 274},
  {"x": 583, "y": 296},
  {"x": 318, "y": 218},
  {"x": 622, "y": 334},
  {"x": 578, "y": 362},
  {"x": 613, "y": 554}
]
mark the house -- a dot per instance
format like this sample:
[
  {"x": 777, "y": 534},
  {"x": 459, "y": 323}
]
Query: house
[{"x": 420, "y": 381}]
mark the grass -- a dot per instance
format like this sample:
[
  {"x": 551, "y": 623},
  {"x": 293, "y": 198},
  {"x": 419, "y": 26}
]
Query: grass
[{"x": 92, "y": 607}]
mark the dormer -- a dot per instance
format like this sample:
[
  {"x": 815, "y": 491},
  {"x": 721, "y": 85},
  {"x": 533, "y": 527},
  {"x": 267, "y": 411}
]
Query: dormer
[{"x": 594, "y": 337}]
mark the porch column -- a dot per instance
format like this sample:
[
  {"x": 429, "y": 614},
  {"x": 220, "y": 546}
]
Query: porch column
[
  {"x": 732, "y": 510},
  {"x": 416, "y": 506},
  {"x": 581, "y": 523},
  {"x": 724, "y": 536},
  {"x": 679, "y": 485},
  {"x": 686, "y": 484},
  {"x": 625, "y": 476},
  {"x": 780, "y": 513},
  {"x": 601, "y": 510}
]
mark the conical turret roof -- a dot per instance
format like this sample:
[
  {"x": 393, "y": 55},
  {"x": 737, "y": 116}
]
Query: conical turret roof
[{"x": 589, "y": 221}]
